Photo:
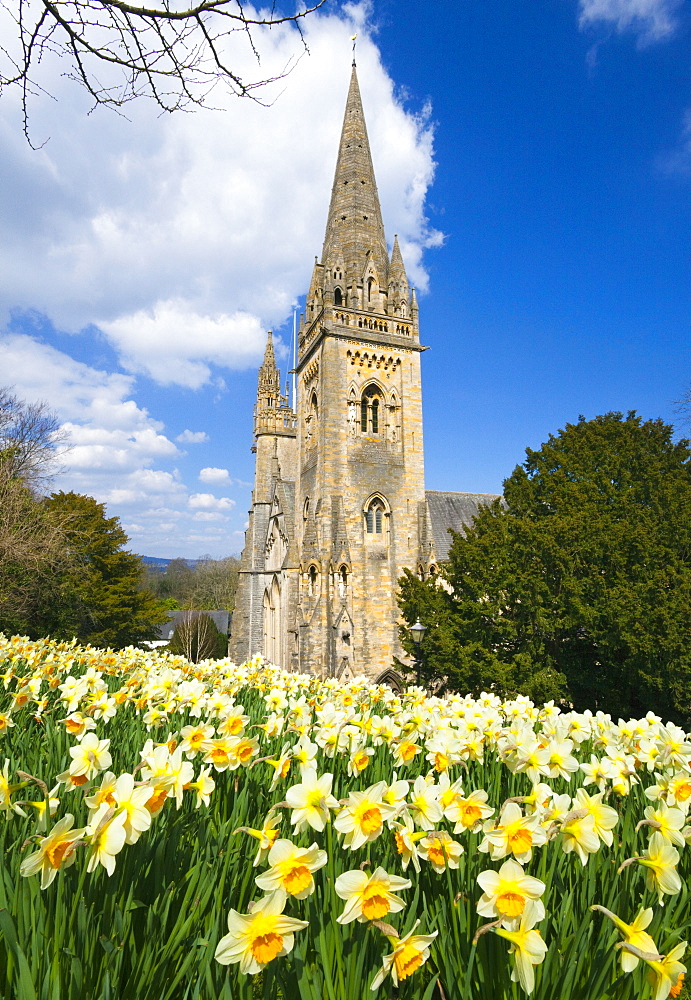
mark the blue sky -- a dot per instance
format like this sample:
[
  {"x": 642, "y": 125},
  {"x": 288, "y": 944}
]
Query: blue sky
[{"x": 534, "y": 158}]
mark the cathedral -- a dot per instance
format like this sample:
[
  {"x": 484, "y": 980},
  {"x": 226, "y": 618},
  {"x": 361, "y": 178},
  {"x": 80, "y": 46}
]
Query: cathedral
[{"x": 339, "y": 507}]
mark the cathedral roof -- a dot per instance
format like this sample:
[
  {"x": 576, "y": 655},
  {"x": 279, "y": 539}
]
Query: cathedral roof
[
  {"x": 452, "y": 512},
  {"x": 355, "y": 230}
]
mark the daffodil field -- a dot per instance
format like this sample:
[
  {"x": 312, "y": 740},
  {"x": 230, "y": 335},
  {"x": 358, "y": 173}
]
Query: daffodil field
[{"x": 179, "y": 831}]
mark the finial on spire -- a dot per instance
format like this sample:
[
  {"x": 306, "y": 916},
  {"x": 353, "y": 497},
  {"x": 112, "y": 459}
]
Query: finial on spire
[{"x": 353, "y": 39}]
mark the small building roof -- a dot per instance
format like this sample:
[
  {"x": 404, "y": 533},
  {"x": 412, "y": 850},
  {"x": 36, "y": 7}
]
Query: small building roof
[
  {"x": 452, "y": 511},
  {"x": 221, "y": 620}
]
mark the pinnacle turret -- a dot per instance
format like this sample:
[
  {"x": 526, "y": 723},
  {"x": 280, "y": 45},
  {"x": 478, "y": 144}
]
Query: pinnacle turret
[
  {"x": 272, "y": 414},
  {"x": 269, "y": 387}
]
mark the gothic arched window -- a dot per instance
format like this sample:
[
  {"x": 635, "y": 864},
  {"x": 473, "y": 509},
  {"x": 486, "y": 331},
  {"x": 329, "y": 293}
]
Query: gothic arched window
[
  {"x": 338, "y": 297},
  {"x": 273, "y": 622},
  {"x": 370, "y": 403},
  {"x": 311, "y": 420},
  {"x": 374, "y": 516}
]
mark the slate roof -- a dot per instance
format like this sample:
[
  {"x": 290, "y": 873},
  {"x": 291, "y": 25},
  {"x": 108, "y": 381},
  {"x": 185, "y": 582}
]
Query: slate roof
[{"x": 452, "y": 511}]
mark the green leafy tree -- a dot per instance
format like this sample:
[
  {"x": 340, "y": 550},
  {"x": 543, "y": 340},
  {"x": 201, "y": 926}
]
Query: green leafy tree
[
  {"x": 100, "y": 599},
  {"x": 583, "y": 577}
]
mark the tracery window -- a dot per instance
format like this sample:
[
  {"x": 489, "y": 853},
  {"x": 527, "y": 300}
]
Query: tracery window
[
  {"x": 370, "y": 403},
  {"x": 374, "y": 516}
]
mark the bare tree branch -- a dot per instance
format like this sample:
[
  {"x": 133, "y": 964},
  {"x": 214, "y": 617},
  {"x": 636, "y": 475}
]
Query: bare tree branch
[
  {"x": 173, "y": 56},
  {"x": 29, "y": 434},
  {"x": 683, "y": 408}
]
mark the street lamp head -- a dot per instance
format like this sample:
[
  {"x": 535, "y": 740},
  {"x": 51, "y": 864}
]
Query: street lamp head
[{"x": 417, "y": 631}]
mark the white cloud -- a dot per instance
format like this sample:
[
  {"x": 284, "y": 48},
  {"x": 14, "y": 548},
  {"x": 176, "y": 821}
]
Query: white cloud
[
  {"x": 103, "y": 429},
  {"x": 651, "y": 20},
  {"x": 211, "y": 475},
  {"x": 184, "y": 237},
  {"x": 110, "y": 443},
  {"x": 208, "y": 501},
  {"x": 208, "y": 515},
  {"x": 150, "y": 485},
  {"x": 192, "y": 437},
  {"x": 172, "y": 343},
  {"x": 97, "y": 447}
]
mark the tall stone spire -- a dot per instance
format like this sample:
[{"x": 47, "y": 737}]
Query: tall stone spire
[{"x": 354, "y": 230}]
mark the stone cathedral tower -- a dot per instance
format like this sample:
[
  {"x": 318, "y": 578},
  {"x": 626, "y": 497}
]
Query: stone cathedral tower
[{"x": 339, "y": 507}]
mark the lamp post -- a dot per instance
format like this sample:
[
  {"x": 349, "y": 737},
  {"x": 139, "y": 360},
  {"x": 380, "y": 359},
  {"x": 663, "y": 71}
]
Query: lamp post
[{"x": 417, "y": 631}]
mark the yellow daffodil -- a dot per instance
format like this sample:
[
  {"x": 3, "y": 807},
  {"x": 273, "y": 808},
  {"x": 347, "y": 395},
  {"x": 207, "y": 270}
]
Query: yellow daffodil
[
  {"x": 359, "y": 760},
  {"x": 311, "y": 801},
  {"x": 679, "y": 790},
  {"x": 423, "y": 804},
  {"x": 362, "y": 817},
  {"x": 667, "y": 821},
  {"x": 409, "y": 953},
  {"x": 291, "y": 869},
  {"x": 468, "y": 812},
  {"x": 90, "y": 757},
  {"x": 578, "y": 834},
  {"x": 57, "y": 850},
  {"x": 106, "y": 837},
  {"x": 369, "y": 897},
  {"x": 661, "y": 860},
  {"x": 512, "y": 833},
  {"x": 219, "y": 752},
  {"x": 77, "y": 724},
  {"x": 267, "y": 835},
  {"x": 605, "y": 818},
  {"x": 131, "y": 799},
  {"x": 405, "y": 751},
  {"x": 104, "y": 792},
  {"x": 6, "y": 722},
  {"x": 242, "y": 750},
  {"x": 441, "y": 850},
  {"x": 196, "y": 739},
  {"x": 258, "y": 937},
  {"x": 665, "y": 973},
  {"x": 634, "y": 934},
  {"x": 527, "y": 949},
  {"x": 44, "y": 808},
  {"x": 396, "y": 792},
  {"x": 203, "y": 787},
  {"x": 280, "y": 764},
  {"x": 233, "y": 721},
  {"x": 406, "y": 839},
  {"x": 506, "y": 892}
]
